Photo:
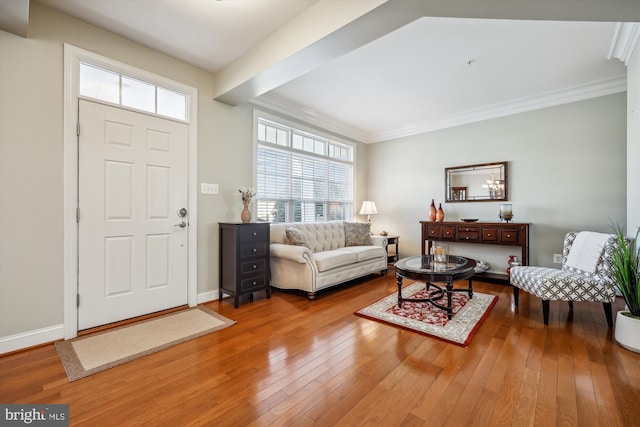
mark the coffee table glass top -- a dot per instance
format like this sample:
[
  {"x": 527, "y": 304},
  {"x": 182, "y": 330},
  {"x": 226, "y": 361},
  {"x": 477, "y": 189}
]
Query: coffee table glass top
[{"x": 426, "y": 264}]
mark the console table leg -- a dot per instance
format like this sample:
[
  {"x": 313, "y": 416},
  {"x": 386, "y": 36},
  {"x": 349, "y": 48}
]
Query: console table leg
[{"x": 470, "y": 289}]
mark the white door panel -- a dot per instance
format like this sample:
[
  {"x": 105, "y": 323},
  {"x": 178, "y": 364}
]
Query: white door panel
[{"x": 132, "y": 181}]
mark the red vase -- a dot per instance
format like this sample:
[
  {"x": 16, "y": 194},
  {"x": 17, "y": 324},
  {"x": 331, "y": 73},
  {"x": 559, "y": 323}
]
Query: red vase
[
  {"x": 440, "y": 213},
  {"x": 432, "y": 211}
]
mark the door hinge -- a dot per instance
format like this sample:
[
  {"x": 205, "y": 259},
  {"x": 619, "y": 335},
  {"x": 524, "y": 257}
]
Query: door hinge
[
  {"x": 77, "y": 300},
  {"x": 78, "y": 128},
  {"x": 77, "y": 214}
]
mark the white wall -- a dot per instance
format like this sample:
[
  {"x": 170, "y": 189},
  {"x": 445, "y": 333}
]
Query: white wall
[{"x": 567, "y": 171}]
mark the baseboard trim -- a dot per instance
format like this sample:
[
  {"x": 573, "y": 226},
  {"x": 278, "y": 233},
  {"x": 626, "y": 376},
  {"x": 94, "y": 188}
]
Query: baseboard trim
[
  {"x": 49, "y": 334},
  {"x": 31, "y": 338},
  {"x": 207, "y": 296}
]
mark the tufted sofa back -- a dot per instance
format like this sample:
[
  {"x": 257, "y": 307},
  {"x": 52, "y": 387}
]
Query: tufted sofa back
[{"x": 321, "y": 236}]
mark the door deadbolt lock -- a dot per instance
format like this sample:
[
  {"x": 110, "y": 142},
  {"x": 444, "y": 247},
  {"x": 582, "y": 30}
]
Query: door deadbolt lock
[{"x": 182, "y": 212}]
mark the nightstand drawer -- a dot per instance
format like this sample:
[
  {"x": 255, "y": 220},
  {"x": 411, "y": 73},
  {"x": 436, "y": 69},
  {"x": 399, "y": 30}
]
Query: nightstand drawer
[
  {"x": 257, "y": 266},
  {"x": 253, "y": 250},
  {"x": 257, "y": 282},
  {"x": 252, "y": 233}
]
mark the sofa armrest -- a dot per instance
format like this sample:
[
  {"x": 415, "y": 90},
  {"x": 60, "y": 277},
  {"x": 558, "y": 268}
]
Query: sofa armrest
[
  {"x": 299, "y": 254},
  {"x": 379, "y": 241}
]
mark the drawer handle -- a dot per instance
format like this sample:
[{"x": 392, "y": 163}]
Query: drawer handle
[
  {"x": 447, "y": 233},
  {"x": 467, "y": 237},
  {"x": 255, "y": 266},
  {"x": 488, "y": 234},
  {"x": 254, "y": 283},
  {"x": 254, "y": 233},
  {"x": 254, "y": 250},
  {"x": 508, "y": 235}
]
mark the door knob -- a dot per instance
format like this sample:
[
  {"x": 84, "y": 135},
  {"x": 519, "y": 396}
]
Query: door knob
[
  {"x": 182, "y": 224},
  {"x": 182, "y": 212}
]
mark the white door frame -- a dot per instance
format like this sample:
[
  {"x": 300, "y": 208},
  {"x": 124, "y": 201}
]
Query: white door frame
[{"x": 72, "y": 58}]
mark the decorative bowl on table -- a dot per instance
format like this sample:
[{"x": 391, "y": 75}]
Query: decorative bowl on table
[{"x": 469, "y": 219}]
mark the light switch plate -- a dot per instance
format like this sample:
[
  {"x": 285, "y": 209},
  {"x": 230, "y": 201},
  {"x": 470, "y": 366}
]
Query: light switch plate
[{"x": 208, "y": 188}]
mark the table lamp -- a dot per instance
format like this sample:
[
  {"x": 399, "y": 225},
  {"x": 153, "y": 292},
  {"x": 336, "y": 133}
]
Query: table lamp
[{"x": 368, "y": 208}]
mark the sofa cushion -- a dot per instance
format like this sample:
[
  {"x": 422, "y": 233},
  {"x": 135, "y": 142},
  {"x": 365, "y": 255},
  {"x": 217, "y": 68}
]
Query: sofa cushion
[
  {"x": 357, "y": 234},
  {"x": 332, "y": 259},
  {"x": 297, "y": 237},
  {"x": 364, "y": 253}
]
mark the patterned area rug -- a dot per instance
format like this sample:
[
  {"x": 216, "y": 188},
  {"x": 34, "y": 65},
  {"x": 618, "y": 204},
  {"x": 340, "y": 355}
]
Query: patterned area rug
[
  {"x": 426, "y": 319},
  {"x": 97, "y": 352}
]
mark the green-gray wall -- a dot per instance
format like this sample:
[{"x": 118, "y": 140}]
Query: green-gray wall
[{"x": 567, "y": 171}]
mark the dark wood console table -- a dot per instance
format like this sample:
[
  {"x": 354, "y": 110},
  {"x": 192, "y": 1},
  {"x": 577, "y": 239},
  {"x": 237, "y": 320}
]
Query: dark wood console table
[{"x": 486, "y": 233}]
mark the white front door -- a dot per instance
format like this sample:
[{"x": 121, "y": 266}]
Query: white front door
[{"x": 132, "y": 186}]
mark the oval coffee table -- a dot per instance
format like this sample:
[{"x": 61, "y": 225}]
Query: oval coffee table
[{"x": 423, "y": 268}]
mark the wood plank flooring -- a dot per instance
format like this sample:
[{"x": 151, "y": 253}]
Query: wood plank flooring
[{"x": 293, "y": 362}]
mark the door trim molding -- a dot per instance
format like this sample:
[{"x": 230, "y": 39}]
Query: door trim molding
[{"x": 72, "y": 58}]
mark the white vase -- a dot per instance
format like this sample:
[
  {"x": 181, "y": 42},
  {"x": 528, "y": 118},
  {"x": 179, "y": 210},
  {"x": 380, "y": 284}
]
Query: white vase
[{"x": 628, "y": 331}]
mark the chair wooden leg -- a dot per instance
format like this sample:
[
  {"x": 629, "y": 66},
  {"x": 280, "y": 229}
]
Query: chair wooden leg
[
  {"x": 516, "y": 295},
  {"x": 545, "y": 311},
  {"x": 608, "y": 313},
  {"x": 570, "y": 305}
]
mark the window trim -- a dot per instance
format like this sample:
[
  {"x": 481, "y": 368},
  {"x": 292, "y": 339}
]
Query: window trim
[{"x": 257, "y": 114}]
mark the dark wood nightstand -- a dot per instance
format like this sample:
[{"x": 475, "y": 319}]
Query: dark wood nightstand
[
  {"x": 244, "y": 259},
  {"x": 393, "y": 256}
]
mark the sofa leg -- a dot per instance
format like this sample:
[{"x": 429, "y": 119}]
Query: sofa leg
[
  {"x": 311, "y": 296},
  {"x": 545, "y": 311},
  {"x": 516, "y": 295},
  {"x": 384, "y": 272},
  {"x": 608, "y": 313}
]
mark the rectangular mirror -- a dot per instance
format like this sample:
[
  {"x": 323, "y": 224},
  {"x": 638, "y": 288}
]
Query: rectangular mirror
[{"x": 484, "y": 182}]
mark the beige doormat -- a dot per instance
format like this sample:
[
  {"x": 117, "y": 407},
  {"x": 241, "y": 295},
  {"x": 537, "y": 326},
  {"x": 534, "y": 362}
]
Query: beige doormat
[{"x": 87, "y": 355}]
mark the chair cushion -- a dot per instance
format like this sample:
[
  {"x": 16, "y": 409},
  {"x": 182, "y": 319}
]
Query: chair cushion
[
  {"x": 332, "y": 259},
  {"x": 558, "y": 285},
  {"x": 357, "y": 234},
  {"x": 364, "y": 253}
]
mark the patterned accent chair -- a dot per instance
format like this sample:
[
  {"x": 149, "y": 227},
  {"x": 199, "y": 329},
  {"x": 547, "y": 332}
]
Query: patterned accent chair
[{"x": 569, "y": 284}]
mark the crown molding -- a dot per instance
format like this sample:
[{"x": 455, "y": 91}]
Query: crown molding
[
  {"x": 567, "y": 95},
  {"x": 280, "y": 104},
  {"x": 625, "y": 39}
]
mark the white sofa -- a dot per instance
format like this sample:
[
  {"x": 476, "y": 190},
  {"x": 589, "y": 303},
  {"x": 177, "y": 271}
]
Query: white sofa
[{"x": 314, "y": 256}]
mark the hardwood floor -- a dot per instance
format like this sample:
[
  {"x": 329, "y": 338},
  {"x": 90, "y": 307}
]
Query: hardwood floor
[{"x": 290, "y": 361}]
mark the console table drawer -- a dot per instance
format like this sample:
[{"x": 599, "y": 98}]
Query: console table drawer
[
  {"x": 434, "y": 231},
  {"x": 509, "y": 235},
  {"x": 468, "y": 235},
  {"x": 489, "y": 234},
  {"x": 448, "y": 232}
]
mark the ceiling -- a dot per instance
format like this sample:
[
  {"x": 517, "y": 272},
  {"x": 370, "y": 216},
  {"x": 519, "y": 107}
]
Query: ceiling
[{"x": 431, "y": 73}]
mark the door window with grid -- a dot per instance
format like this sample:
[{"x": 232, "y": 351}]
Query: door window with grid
[{"x": 301, "y": 177}]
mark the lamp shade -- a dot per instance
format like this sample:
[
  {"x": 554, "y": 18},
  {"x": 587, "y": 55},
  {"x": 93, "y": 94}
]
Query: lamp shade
[{"x": 368, "y": 208}]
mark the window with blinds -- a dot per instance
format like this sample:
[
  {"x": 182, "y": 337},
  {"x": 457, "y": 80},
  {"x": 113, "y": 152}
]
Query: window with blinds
[{"x": 301, "y": 177}]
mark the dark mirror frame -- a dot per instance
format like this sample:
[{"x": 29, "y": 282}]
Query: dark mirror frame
[{"x": 482, "y": 182}]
